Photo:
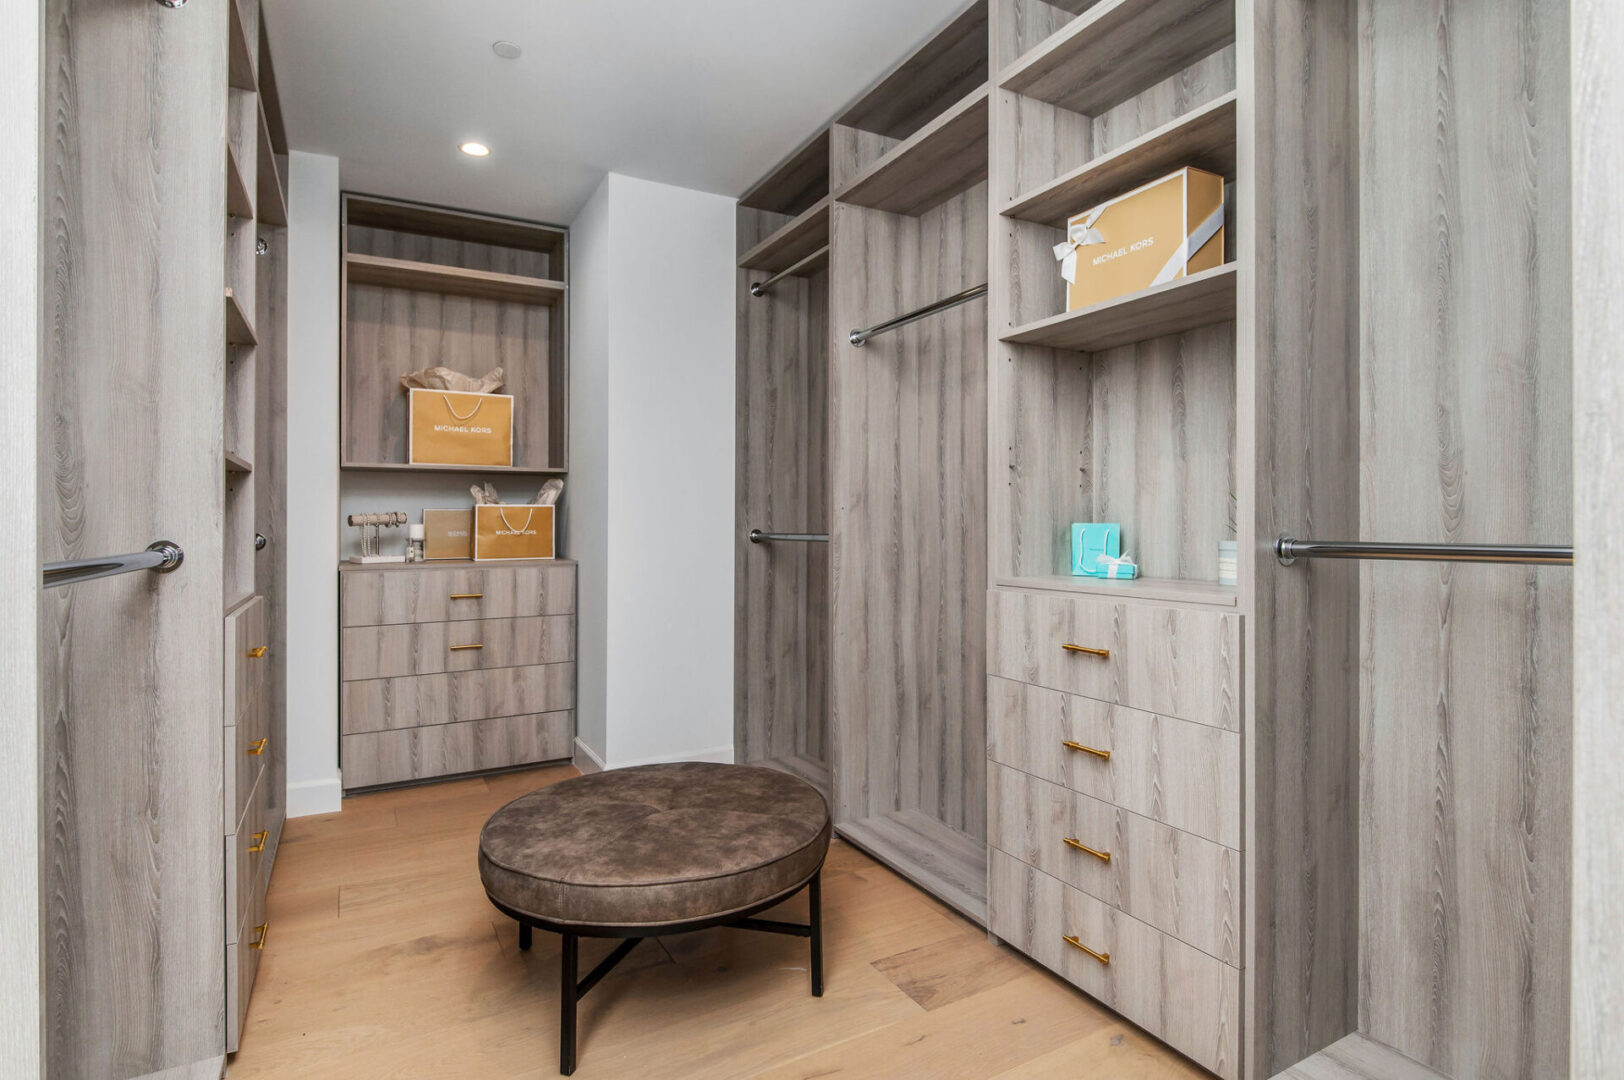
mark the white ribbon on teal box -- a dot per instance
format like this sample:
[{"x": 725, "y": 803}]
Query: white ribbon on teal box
[{"x": 1091, "y": 542}]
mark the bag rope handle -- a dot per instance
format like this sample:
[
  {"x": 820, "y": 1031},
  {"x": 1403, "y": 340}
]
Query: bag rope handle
[
  {"x": 528, "y": 518},
  {"x": 448, "y": 408}
]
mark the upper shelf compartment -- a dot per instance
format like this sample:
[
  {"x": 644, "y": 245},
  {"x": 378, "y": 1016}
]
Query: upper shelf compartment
[
  {"x": 1118, "y": 48},
  {"x": 941, "y": 159},
  {"x": 797, "y": 184},
  {"x": 240, "y": 70},
  {"x": 450, "y": 280},
  {"x": 793, "y": 242}
]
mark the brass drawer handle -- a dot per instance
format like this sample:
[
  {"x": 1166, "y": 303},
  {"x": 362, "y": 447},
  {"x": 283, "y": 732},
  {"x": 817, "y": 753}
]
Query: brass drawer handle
[
  {"x": 459, "y": 648},
  {"x": 259, "y": 842},
  {"x": 467, "y": 596},
  {"x": 264, "y": 931},
  {"x": 257, "y": 747},
  {"x": 1073, "y": 842},
  {"x": 1102, "y": 957},
  {"x": 257, "y": 652},
  {"x": 1104, "y": 654},
  {"x": 1102, "y": 754}
]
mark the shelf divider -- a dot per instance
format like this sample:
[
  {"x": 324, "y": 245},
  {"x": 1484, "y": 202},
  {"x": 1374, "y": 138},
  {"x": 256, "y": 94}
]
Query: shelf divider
[
  {"x": 453, "y": 280},
  {"x": 1183, "y": 304},
  {"x": 941, "y": 159}
]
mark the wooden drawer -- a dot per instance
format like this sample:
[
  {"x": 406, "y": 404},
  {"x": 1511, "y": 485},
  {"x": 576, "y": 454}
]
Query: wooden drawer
[
  {"x": 436, "y": 594},
  {"x": 1178, "y": 993},
  {"x": 394, "y": 757},
  {"x": 247, "y": 750},
  {"x": 245, "y": 859},
  {"x": 1168, "y": 660},
  {"x": 381, "y": 652},
  {"x": 1180, "y": 773},
  {"x": 1180, "y": 884},
  {"x": 245, "y": 652},
  {"x": 243, "y": 954},
  {"x": 453, "y": 697}
]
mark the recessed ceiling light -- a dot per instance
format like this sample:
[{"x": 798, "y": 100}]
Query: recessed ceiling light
[
  {"x": 507, "y": 50},
  {"x": 475, "y": 149}
]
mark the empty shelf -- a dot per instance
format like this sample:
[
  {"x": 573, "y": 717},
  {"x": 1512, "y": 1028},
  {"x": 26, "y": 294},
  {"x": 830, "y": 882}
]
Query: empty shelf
[
  {"x": 1358, "y": 1057},
  {"x": 1117, "y": 48},
  {"x": 938, "y": 858},
  {"x": 1174, "y": 590},
  {"x": 240, "y": 74},
  {"x": 793, "y": 242},
  {"x": 239, "y": 331},
  {"x": 946, "y": 156},
  {"x": 1203, "y": 138},
  {"x": 1185, "y": 304},
  {"x": 239, "y": 204},
  {"x": 236, "y": 463},
  {"x": 273, "y": 205},
  {"x": 454, "y": 280}
]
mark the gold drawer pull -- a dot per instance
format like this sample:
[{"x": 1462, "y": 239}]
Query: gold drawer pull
[
  {"x": 259, "y": 842},
  {"x": 257, "y": 652},
  {"x": 264, "y": 931},
  {"x": 1102, "y": 957},
  {"x": 1073, "y": 842},
  {"x": 467, "y": 596},
  {"x": 257, "y": 747},
  {"x": 459, "y": 648},
  {"x": 1104, "y": 654},
  {"x": 1102, "y": 754}
]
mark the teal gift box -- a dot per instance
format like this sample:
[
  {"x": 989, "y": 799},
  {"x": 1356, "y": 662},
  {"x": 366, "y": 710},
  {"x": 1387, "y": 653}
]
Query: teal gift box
[{"x": 1090, "y": 541}]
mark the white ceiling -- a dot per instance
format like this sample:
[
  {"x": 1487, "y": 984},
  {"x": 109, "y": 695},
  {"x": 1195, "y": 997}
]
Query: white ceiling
[{"x": 705, "y": 94}]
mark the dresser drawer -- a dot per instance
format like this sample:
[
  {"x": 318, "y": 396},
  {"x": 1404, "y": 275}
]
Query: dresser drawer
[
  {"x": 380, "y": 652},
  {"x": 453, "y": 697},
  {"x": 1162, "y": 659},
  {"x": 1180, "y": 884},
  {"x": 394, "y": 757},
  {"x": 434, "y": 594},
  {"x": 247, "y": 747},
  {"x": 246, "y": 850},
  {"x": 245, "y": 654},
  {"x": 1180, "y": 773},
  {"x": 243, "y": 954},
  {"x": 1181, "y": 995}
]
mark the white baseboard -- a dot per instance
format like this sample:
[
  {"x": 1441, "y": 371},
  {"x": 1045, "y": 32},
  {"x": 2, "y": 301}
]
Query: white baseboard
[
  {"x": 307, "y": 797},
  {"x": 586, "y": 762},
  {"x": 723, "y": 754}
]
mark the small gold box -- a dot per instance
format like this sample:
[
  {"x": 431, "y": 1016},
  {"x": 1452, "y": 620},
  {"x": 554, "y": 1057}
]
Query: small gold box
[{"x": 448, "y": 534}]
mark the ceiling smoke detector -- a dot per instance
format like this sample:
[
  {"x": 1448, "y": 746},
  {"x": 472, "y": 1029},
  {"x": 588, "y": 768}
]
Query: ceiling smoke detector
[{"x": 507, "y": 50}]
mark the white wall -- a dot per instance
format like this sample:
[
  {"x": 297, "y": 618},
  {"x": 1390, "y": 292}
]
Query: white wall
[{"x": 313, "y": 488}]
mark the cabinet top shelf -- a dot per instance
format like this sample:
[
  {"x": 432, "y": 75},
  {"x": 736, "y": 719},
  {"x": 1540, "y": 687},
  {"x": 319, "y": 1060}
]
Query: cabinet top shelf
[
  {"x": 1183, "y": 304},
  {"x": 793, "y": 242},
  {"x": 941, "y": 159},
  {"x": 453, "y": 280}
]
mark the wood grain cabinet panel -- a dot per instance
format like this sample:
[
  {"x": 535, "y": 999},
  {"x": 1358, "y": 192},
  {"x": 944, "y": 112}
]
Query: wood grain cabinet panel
[
  {"x": 453, "y": 697},
  {"x": 243, "y": 954},
  {"x": 1185, "y": 997},
  {"x": 379, "y": 652},
  {"x": 244, "y": 660},
  {"x": 1179, "y": 883},
  {"x": 243, "y": 861},
  {"x": 1182, "y": 774},
  {"x": 393, "y": 757},
  {"x": 383, "y": 597},
  {"x": 1169, "y": 660}
]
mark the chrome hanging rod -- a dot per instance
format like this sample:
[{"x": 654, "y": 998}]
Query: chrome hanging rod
[
  {"x": 798, "y": 269},
  {"x": 1289, "y": 549},
  {"x": 860, "y": 337},
  {"x": 160, "y": 557},
  {"x": 759, "y": 537}
]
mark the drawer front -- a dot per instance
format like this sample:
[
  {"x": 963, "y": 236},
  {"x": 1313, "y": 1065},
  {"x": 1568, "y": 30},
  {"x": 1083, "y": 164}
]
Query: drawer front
[
  {"x": 394, "y": 757},
  {"x": 1167, "y": 660},
  {"x": 245, "y": 858},
  {"x": 1182, "y": 774},
  {"x": 247, "y": 750},
  {"x": 384, "y": 597},
  {"x": 242, "y": 964},
  {"x": 455, "y": 697},
  {"x": 245, "y": 654},
  {"x": 1176, "y": 992},
  {"x": 383, "y": 652},
  {"x": 1180, "y": 884}
]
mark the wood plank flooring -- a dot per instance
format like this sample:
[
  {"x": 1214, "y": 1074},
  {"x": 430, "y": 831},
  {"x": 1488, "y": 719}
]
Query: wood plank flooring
[{"x": 386, "y": 960}]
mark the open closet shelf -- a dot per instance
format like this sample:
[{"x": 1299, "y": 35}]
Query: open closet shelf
[
  {"x": 1167, "y": 589},
  {"x": 943, "y": 70},
  {"x": 1358, "y": 1057},
  {"x": 937, "y": 857},
  {"x": 1203, "y": 138},
  {"x": 799, "y": 238},
  {"x": 236, "y": 463},
  {"x": 239, "y": 204},
  {"x": 239, "y": 331},
  {"x": 453, "y": 280},
  {"x": 800, "y": 181},
  {"x": 1183, "y": 304},
  {"x": 405, "y": 466},
  {"x": 1117, "y": 48},
  {"x": 273, "y": 205},
  {"x": 941, "y": 159},
  {"x": 241, "y": 71}
]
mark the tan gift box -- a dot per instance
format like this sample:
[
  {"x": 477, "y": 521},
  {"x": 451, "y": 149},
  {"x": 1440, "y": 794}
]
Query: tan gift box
[
  {"x": 448, "y": 534},
  {"x": 513, "y": 532},
  {"x": 1168, "y": 229},
  {"x": 450, "y": 428}
]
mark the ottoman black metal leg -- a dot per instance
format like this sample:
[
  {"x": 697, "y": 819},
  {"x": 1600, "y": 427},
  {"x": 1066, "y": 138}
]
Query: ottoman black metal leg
[
  {"x": 815, "y": 905},
  {"x": 524, "y": 935},
  {"x": 566, "y": 1008}
]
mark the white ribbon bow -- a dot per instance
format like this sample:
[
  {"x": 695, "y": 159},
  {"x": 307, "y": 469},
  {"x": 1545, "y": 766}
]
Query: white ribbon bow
[
  {"x": 1079, "y": 235},
  {"x": 1113, "y": 566}
]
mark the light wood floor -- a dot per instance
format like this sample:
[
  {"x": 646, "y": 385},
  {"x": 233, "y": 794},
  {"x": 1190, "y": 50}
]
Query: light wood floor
[{"x": 384, "y": 959}]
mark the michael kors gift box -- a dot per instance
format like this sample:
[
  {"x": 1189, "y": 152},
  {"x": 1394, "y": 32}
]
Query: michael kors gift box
[
  {"x": 448, "y": 534},
  {"x": 513, "y": 532},
  {"x": 1168, "y": 229},
  {"x": 449, "y": 428}
]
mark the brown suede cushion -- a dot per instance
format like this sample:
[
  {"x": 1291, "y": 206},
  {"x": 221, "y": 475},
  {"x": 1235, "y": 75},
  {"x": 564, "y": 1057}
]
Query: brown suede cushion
[{"x": 654, "y": 844}]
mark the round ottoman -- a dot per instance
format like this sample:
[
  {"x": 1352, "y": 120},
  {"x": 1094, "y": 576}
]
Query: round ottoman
[{"x": 652, "y": 850}]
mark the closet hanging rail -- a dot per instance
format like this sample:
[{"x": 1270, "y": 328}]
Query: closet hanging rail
[
  {"x": 761, "y": 288},
  {"x": 160, "y": 557},
  {"x": 860, "y": 337},
  {"x": 759, "y": 537},
  {"x": 1289, "y": 549}
]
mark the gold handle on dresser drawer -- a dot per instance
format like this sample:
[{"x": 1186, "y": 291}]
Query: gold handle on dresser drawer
[
  {"x": 257, "y": 651},
  {"x": 467, "y": 596},
  {"x": 259, "y": 842},
  {"x": 1104, "y": 654},
  {"x": 1069, "y": 745},
  {"x": 460, "y": 648},
  {"x": 1102, "y": 957},
  {"x": 1073, "y": 842},
  {"x": 257, "y": 747},
  {"x": 264, "y": 931}
]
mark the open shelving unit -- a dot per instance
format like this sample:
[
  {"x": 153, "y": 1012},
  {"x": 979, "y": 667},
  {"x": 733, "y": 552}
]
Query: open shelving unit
[
  {"x": 792, "y": 242},
  {"x": 945, "y": 157},
  {"x": 1201, "y": 299}
]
